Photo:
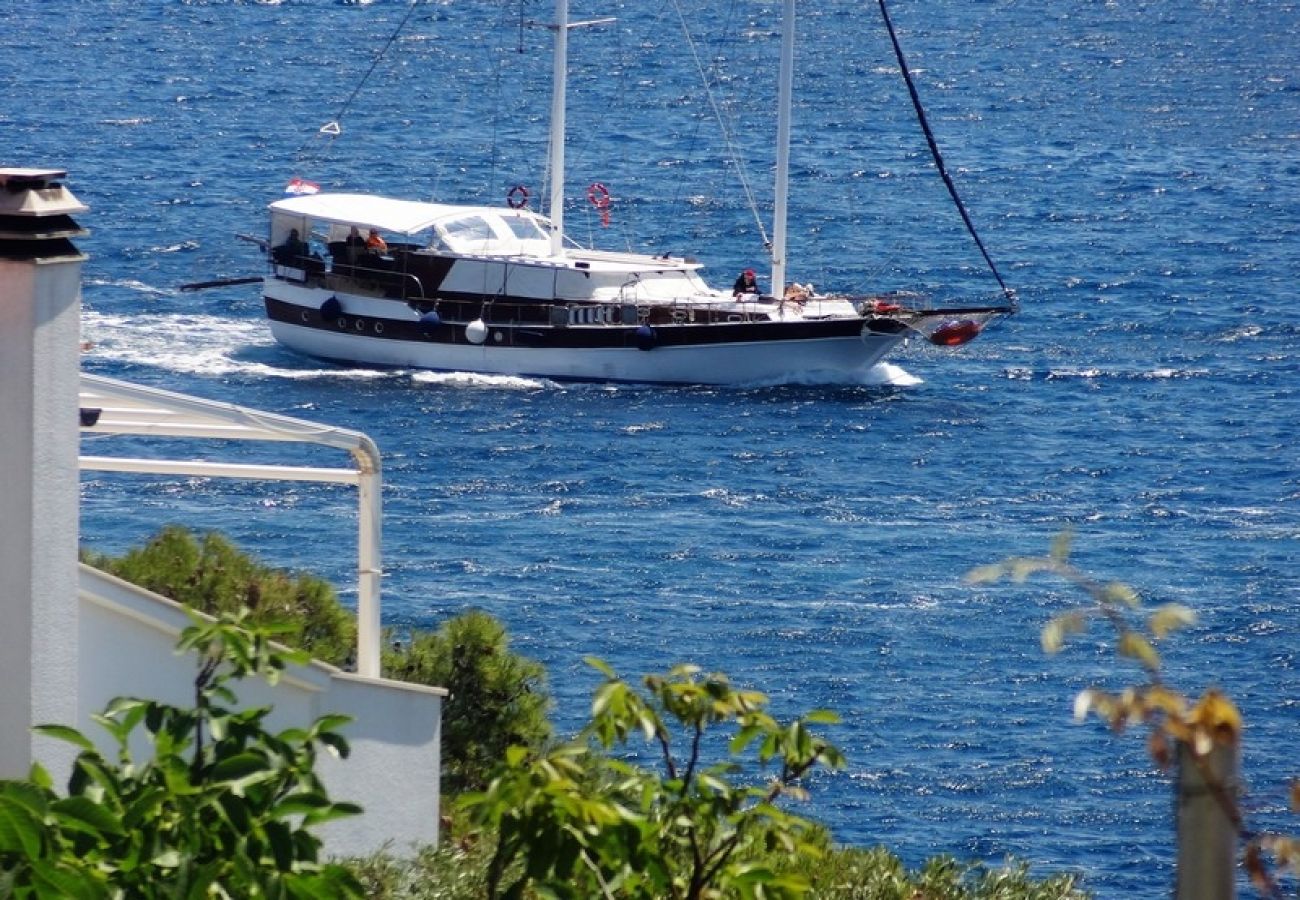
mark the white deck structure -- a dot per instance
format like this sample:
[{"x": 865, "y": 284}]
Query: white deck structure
[
  {"x": 395, "y": 733},
  {"x": 121, "y": 408},
  {"x": 72, "y": 638}
]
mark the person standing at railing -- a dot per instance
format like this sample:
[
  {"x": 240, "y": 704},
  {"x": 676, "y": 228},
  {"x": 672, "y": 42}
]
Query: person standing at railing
[{"x": 747, "y": 283}]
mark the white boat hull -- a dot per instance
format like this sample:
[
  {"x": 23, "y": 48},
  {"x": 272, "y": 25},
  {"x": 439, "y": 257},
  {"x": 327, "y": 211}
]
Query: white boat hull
[{"x": 836, "y": 359}]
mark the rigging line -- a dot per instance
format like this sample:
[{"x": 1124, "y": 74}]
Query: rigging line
[
  {"x": 623, "y": 90},
  {"x": 679, "y": 185},
  {"x": 356, "y": 90},
  {"x": 938, "y": 157},
  {"x": 727, "y": 135},
  {"x": 496, "y": 65}
]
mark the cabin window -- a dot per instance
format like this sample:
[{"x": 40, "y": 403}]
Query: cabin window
[
  {"x": 525, "y": 229},
  {"x": 469, "y": 229}
]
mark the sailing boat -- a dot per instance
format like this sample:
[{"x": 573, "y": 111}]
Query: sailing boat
[{"x": 502, "y": 291}]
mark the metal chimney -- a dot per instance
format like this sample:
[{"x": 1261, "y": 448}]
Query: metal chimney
[
  {"x": 40, "y": 300},
  {"x": 36, "y": 216}
]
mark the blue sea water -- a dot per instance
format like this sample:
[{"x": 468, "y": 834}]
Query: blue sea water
[{"x": 1135, "y": 169}]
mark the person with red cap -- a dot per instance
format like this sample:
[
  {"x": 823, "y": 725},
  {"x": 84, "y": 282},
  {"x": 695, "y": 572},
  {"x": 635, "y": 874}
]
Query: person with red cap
[{"x": 745, "y": 284}]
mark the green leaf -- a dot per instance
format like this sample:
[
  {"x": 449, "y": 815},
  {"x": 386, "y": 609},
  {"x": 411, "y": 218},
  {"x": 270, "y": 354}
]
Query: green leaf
[
  {"x": 1134, "y": 646},
  {"x": 1056, "y": 630},
  {"x": 600, "y": 666},
  {"x": 58, "y": 880},
  {"x": 336, "y": 743},
  {"x": 1060, "y": 550},
  {"x": 120, "y": 706},
  {"x": 1021, "y": 569},
  {"x": 82, "y": 814},
  {"x": 986, "y": 574},
  {"x": 20, "y": 829},
  {"x": 605, "y": 694},
  {"x": 744, "y": 737},
  {"x": 64, "y": 733},
  {"x": 296, "y": 804},
  {"x": 331, "y": 722},
  {"x": 331, "y": 812},
  {"x": 143, "y": 807},
  {"x": 39, "y": 777},
  {"x": 167, "y": 859},
  {"x": 282, "y": 849},
  {"x": 239, "y": 766},
  {"x": 1170, "y": 617},
  {"x": 822, "y": 717},
  {"x": 1120, "y": 594},
  {"x": 28, "y": 796}
]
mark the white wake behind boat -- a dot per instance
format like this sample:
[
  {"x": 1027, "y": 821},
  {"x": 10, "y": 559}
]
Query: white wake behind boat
[{"x": 501, "y": 291}]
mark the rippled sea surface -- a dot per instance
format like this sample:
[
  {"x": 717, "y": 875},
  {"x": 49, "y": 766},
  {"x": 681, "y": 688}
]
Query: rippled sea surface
[{"x": 1135, "y": 170}]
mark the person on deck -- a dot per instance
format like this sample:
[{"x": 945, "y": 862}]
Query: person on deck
[
  {"x": 745, "y": 284},
  {"x": 292, "y": 250},
  {"x": 354, "y": 246},
  {"x": 375, "y": 243}
]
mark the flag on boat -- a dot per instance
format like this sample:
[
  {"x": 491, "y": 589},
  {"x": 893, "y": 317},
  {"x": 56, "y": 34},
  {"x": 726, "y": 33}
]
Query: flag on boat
[{"x": 298, "y": 186}]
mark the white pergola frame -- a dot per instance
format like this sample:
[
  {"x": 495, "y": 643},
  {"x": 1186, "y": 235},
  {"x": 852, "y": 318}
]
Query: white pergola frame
[{"x": 125, "y": 408}]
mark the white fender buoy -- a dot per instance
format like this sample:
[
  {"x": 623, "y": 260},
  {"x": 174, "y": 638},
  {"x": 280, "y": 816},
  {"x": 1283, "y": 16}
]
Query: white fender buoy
[{"x": 476, "y": 331}]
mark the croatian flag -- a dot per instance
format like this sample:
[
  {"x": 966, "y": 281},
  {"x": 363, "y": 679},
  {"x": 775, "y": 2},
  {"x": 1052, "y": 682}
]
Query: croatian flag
[{"x": 299, "y": 186}]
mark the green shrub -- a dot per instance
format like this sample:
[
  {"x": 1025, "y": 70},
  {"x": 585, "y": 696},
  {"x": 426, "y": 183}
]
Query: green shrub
[
  {"x": 851, "y": 873},
  {"x": 213, "y": 576},
  {"x": 220, "y": 807},
  {"x": 458, "y": 871},
  {"x": 455, "y": 870},
  {"x": 583, "y": 820},
  {"x": 497, "y": 698},
  {"x": 576, "y": 822}
]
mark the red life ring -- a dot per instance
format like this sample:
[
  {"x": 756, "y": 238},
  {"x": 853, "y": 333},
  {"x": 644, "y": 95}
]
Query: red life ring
[
  {"x": 598, "y": 194},
  {"x": 517, "y": 198}
]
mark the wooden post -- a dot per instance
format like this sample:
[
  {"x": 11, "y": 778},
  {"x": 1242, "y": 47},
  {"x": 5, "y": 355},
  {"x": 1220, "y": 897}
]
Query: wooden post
[{"x": 1207, "y": 828}]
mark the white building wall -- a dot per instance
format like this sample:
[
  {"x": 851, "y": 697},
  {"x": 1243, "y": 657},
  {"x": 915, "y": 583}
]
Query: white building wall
[
  {"x": 128, "y": 640},
  {"x": 39, "y": 336},
  {"x": 398, "y": 735}
]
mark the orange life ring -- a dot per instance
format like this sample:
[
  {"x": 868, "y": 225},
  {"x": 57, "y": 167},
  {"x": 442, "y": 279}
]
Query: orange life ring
[{"x": 517, "y": 197}]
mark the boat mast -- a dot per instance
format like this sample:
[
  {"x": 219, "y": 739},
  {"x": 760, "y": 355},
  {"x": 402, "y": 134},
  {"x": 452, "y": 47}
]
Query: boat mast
[
  {"x": 559, "y": 88},
  {"x": 784, "y": 101},
  {"x": 559, "y": 80}
]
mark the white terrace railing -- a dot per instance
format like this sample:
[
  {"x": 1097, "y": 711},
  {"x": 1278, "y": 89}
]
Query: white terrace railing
[{"x": 112, "y": 407}]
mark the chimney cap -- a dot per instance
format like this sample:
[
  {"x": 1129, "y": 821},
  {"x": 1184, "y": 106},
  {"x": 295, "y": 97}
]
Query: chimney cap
[
  {"x": 20, "y": 179},
  {"x": 36, "y": 193}
]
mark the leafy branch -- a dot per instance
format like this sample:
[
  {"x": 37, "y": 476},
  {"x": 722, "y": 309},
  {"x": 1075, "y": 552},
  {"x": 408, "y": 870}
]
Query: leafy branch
[
  {"x": 579, "y": 822},
  {"x": 220, "y": 807},
  {"x": 1172, "y": 720}
]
